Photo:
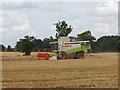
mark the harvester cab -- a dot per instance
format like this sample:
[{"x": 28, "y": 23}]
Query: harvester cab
[{"x": 66, "y": 49}]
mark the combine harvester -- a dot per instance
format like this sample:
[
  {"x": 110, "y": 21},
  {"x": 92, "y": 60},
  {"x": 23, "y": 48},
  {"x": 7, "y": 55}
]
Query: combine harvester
[{"x": 65, "y": 49}]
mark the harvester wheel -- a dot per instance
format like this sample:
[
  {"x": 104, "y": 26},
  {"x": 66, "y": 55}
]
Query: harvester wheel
[
  {"x": 80, "y": 55},
  {"x": 64, "y": 55}
]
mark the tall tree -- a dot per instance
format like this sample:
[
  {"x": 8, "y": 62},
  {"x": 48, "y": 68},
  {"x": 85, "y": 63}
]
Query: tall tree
[
  {"x": 26, "y": 45},
  {"x": 9, "y": 48},
  {"x": 86, "y": 36},
  {"x": 2, "y": 47},
  {"x": 62, "y": 29}
]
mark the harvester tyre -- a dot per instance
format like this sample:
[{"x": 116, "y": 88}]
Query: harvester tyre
[
  {"x": 64, "y": 55},
  {"x": 80, "y": 55}
]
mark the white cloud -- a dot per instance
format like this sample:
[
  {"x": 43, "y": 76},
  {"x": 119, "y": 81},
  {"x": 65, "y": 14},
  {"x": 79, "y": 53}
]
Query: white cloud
[
  {"x": 15, "y": 21},
  {"x": 106, "y": 20},
  {"x": 103, "y": 28},
  {"x": 18, "y": 5},
  {"x": 75, "y": 23},
  {"x": 1, "y": 21},
  {"x": 83, "y": 11},
  {"x": 23, "y": 27},
  {"x": 109, "y": 8},
  {"x": 52, "y": 9},
  {"x": 14, "y": 25}
]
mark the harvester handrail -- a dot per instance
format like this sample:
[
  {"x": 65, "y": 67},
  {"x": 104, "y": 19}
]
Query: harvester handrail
[
  {"x": 77, "y": 42},
  {"x": 53, "y": 42},
  {"x": 71, "y": 42}
]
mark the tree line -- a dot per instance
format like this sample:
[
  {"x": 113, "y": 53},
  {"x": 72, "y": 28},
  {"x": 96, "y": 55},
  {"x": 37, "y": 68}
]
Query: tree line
[{"x": 30, "y": 43}]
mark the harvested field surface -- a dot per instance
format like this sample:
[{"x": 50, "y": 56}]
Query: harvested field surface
[{"x": 98, "y": 70}]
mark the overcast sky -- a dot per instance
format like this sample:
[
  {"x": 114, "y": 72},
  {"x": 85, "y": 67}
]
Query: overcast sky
[{"x": 19, "y": 19}]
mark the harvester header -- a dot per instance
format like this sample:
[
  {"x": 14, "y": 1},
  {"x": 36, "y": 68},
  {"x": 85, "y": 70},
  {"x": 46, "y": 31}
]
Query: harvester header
[{"x": 65, "y": 49}]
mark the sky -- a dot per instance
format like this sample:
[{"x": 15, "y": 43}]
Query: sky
[{"x": 18, "y": 19}]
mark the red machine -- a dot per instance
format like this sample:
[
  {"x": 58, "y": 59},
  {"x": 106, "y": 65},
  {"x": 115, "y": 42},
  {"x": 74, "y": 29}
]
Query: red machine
[{"x": 43, "y": 56}]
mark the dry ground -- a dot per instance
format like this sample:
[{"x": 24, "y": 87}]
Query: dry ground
[{"x": 95, "y": 71}]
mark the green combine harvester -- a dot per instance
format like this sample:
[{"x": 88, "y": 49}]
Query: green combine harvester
[{"x": 65, "y": 49}]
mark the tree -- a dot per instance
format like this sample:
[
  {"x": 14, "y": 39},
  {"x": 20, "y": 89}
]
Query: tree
[
  {"x": 18, "y": 47},
  {"x": 2, "y": 47},
  {"x": 86, "y": 36},
  {"x": 107, "y": 44},
  {"x": 38, "y": 45},
  {"x": 62, "y": 29},
  {"x": 46, "y": 42},
  {"x": 9, "y": 48},
  {"x": 72, "y": 38},
  {"x": 26, "y": 45}
]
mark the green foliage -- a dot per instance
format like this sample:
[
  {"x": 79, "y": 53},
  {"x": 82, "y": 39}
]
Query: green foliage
[
  {"x": 72, "y": 38},
  {"x": 62, "y": 29},
  {"x": 86, "y": 36},
  {"x": 103, "y": 44},
  {"x": 9, "y": 48},
  {"x": 43, "y": 46},
  {"x": 107, "y": 44},
  {"x": 46, "y": 42},
  {"x": 38, "y": 45},
  {"x": 2, "y": 47},
  {"x": 26, "y": 45}
]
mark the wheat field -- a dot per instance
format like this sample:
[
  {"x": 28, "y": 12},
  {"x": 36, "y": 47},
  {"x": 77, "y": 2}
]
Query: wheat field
[{"x": 98, "y": 70}]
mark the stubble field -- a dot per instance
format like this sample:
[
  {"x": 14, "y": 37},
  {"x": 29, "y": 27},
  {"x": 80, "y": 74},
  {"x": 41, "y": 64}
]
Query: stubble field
[{"x": 98, "y": 70}]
